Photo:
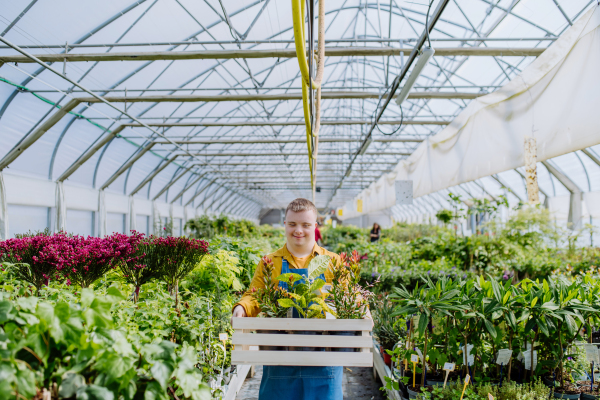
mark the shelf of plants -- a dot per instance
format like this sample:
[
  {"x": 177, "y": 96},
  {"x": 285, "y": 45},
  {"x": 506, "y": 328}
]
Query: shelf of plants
[
  {"x": 129, "y": 316},
  {"x": 124, "y": 316}
]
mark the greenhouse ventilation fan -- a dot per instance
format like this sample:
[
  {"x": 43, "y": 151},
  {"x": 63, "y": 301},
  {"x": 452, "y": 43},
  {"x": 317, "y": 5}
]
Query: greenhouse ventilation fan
[{"x": 426, "y": 54}]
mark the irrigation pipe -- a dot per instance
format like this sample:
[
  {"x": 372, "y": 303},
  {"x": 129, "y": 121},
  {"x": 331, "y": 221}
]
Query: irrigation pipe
[{"x": 298, "y": 12}]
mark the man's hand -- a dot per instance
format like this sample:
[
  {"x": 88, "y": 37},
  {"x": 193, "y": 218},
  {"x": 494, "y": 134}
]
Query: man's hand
[{"x": 239, "y": 312}]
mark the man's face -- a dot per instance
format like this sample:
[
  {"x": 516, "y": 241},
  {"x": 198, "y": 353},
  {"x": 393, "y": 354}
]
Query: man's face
[{"x": 300, "y": 227}]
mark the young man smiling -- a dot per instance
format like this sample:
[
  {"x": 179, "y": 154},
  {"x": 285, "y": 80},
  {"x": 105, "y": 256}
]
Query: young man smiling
[{"x": 294, "y": 382}]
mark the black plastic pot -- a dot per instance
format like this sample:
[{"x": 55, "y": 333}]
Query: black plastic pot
[
  {"x": 585, "y": 396},
  {"x": 566, "y": 396}
]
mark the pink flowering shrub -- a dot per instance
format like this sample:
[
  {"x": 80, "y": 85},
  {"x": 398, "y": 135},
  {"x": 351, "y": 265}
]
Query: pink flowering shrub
[
  {"x": 99, "y": 255},
  {"x": 143, "y": 265},
  {"x": 42, "y": 257},
  {"x": 81, "y": 261},
  {"x": 177, "y": 257}
]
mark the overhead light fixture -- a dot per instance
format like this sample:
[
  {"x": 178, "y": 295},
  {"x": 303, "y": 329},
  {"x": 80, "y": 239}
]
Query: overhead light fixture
[
  {"x": 365, "y": 147},
  {"x": 426, "y": 54}
]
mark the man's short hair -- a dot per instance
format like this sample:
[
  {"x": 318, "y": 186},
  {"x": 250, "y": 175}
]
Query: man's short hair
[{"x": 300, "y": 205}]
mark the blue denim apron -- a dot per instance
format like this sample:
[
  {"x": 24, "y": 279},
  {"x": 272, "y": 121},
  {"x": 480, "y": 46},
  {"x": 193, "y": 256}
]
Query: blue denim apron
[{"x": 298, "y": 382}]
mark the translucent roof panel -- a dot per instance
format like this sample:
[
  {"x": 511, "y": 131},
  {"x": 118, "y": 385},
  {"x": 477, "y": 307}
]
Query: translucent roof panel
[{"x": 236, "y": 121}]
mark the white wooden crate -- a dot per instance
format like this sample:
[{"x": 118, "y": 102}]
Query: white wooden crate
[{"x": 246, "y": 342}]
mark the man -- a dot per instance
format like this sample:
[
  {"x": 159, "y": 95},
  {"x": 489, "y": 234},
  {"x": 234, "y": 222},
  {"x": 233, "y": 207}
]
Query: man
[{"x": 294, "y": 382}]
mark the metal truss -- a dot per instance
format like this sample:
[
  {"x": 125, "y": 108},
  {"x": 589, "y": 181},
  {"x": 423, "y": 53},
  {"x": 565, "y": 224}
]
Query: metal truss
[{"x": 254, "y": 110}]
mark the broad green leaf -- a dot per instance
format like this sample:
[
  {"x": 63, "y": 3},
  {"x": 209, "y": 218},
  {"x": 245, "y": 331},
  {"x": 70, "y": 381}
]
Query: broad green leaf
[
  {"x": 318, "y": 266},
  {"x": 162, "y": 372},
  {"x": 534, "y": 301},
  {"x": 94, "y": 392},
  {"x": 69, "y": 385},
  {"x": 490, "y": 328},
  {"x": 27, "y": 303},
  {"x": 286, "y": 303},
  {"x": 286, "y": 278},
  {"x": 155, "y": 392},
  {"x": 571, "y": 324},
  {"x": 7, "y": 311},
  {"x": 114, "y": 295}
]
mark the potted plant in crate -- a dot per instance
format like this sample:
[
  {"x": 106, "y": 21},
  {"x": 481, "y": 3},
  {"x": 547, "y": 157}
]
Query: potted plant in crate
[{"x": 347, "y": 298}]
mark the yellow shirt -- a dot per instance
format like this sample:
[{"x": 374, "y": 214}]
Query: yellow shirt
[{"x": 249, "y": 303}]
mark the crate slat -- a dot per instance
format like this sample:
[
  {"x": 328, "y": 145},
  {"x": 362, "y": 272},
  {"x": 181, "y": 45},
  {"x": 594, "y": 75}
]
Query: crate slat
[
  {"x": 302, "y": 358},
  {"x": 265, "y": 339},
  {"x": 301, "y": 324}
]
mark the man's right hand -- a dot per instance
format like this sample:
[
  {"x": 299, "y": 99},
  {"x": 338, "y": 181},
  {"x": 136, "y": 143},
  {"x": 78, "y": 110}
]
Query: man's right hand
[{"x": 239, "y": 312}]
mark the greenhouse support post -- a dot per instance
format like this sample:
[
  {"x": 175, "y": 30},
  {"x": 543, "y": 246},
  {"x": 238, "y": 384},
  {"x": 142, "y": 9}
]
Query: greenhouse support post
[
  {"x": 154, "y": 218},
  {"x": 61, "y": 208},
  {"x": 3, "y": 210},
  {"x": 132, "y": 215},
  {"x": 101, "y": 213}
]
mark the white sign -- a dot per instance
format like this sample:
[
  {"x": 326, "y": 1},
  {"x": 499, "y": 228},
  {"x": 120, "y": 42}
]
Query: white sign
[
  {"x": 591, "y": 353},
  {"x": 503, "y": 356},
  {"x": 222, "y": 337},
  {"x": 467, "y": 379},
  {"x": 404, "y": 192},
  {"x": 449, "y": 367},
  {"x": 468, "y": 356},
  {"x": 527, "y": 357},
  {"x": 490, "y": 397},
  {"x": 414, "y": 358}
]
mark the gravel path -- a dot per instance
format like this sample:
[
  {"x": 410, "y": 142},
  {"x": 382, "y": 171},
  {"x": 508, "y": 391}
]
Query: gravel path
[{"x": 358, "y": 385}]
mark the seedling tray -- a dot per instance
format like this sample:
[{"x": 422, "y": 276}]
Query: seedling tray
[{"x": 252, "y": 333}]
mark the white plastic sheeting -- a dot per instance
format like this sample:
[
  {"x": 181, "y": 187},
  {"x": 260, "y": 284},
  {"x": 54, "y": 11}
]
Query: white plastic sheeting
[{"x": 554, "y": 100}]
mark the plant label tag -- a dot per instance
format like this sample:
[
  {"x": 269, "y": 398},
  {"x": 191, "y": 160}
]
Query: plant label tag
[
  {"x": 591, "y": 353},
  {"x": 504, "y": 356},
  {"x": 449, "y": 367},
  {"x": 414, "y": 358},
  {"x": 527, "y": 357},
  {"x": 468, "y": 357},
  {"x": 223, "y": 336},
  {"x": 490, "y": 397},
  {"x": 467, "y": 379}
]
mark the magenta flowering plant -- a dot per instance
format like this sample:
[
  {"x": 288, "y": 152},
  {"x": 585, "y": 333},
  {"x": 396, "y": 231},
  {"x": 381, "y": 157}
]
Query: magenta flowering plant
[
  {"x": 143, "y": 265},
  {"x": 99, "y": 255},
  {"x": 41, "y": 258},
  {"x": 177, "y": 257}
]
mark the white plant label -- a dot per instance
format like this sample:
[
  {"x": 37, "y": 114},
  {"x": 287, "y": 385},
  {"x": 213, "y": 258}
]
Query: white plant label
[
  {"x": 222, "y": 337},
  {"x": 420, "y": 354},
  {"x": 527, "y": 357},
  {"x": 414, "y": 358},
  {"x": 503, "y": 356},
  {"x": 591, "y": 353},
  {"x": 468, "y": 356},
  {"x": 490, "y": 397},
  {"x": 449, "y": 367}
]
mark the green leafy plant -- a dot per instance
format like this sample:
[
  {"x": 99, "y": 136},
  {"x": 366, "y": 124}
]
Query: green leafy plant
[
  {"x": 268, "y": 297},
  {"x": 305, "y": 291}
]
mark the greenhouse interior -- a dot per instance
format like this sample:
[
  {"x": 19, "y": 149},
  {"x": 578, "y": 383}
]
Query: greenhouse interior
[{"x": 195, "y": 195}]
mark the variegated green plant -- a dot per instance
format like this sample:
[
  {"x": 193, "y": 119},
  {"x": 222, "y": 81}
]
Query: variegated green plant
[{"x": 305, "y": 291}]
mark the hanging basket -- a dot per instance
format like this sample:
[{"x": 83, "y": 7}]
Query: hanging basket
[{"x": 317, "y": 335}]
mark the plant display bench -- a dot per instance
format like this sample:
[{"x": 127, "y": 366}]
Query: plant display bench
[
  {"x": 299, "y": 334},
  {"x": 382, "y": 371}
]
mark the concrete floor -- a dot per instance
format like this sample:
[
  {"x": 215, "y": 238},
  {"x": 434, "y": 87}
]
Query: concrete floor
[{"x": 358, "y": 384}]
